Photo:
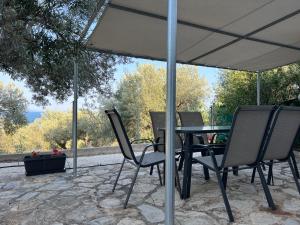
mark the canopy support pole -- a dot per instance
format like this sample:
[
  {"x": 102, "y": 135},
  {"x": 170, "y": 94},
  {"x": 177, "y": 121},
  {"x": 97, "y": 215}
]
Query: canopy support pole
[
  {"x": 74, "y": 118},
  {"x": 171, "y": 112},
  {"x": 258, "y": 88}
]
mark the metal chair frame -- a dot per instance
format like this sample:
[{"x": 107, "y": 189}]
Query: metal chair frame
[
  {"x": 290, "y": 156},
  {"x": 221, "y": 169},
  {"x": 133, "y": 161}
]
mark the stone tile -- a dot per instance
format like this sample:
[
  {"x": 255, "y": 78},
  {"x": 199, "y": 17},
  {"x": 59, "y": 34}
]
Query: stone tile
[
  {"x": 195, "y": 218},
  {"x": 83, "y": 214},
  {"x": 130, "y": 221},
  {"x": 291, "y": 222},
  {"x": 103, "y": 221},
  {"x": 292, "y": 205},
  {"x": 151, "y": 213},
  {"x": 61, "y": 199},
  {"x": 110, "y": 203},
  {"x": 28, "y": 196},
  {"x": 265, "y": 218}
]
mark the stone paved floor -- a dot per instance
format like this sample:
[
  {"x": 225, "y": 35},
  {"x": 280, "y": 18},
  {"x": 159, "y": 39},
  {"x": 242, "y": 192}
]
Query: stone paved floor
[{"x": 60, "y": 199}]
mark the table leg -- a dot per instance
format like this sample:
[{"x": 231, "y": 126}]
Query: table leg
[{"x": 187, "y": 173}]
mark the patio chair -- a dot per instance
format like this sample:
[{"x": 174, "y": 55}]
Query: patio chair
[
  {"x": 158, "y": 120},
  {"x": 143, "y": 160},
  {"x": 195, "y": 119},
  {"x": 246, "y": 140},
  {"x": 270, "y": 163},
  {"x": 279, "y": 146}
]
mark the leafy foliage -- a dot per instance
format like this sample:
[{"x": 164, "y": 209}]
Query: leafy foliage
[
  {"x": 239, "y": 88},
  {"x": 145, "y": 90},
  {"x": 39, "y": 40},
  {"x": 53, "y": 129},
  {"x": 138, "y": 93},
  {"x": 12, "y": 108}
]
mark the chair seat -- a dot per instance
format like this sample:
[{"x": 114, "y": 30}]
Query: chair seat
[
  {"x": 207, "y": 161},
  {"x": 151, "y": 158}
]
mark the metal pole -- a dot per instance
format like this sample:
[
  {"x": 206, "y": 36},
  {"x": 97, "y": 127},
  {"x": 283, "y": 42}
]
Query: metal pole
[
  {"x": 74, "y": 118},
  {"x": 258, "y": 88},
  {"x": 171, "y": 112}
]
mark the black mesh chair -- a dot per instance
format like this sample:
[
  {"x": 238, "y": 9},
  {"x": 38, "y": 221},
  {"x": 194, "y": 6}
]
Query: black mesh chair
[
  {"x": 188, "y": 119},
  {"x": 158, "y": 120},
  {"x": 143, "y": 160},
  {"x": 283, "y": 134},
  {"x": 246, "y": 141}
]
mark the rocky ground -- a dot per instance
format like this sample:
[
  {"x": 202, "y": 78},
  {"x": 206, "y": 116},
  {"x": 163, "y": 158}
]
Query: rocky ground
[{"x": 60, "y": 199}]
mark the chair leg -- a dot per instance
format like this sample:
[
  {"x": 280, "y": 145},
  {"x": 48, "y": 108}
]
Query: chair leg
[
  {"x": 266, "y": 188},
  {"x": 159, "y": 175},
  {"x": 270, "y": 174},
  {"x": 115, "y": 184},
  {"x": 164, "y": 174},
  {"x": 226, "y": 202},
  {"x": 235, "y": 170},
  {"x": 294, "y": 174},
  {"x": 295, "y": 165},
  {"x": 177, "y": 180},
  {"x": 253, "y": 175},
  {"x": 131, "y": 186},
  {"x": 151, "y": 170},
  {"x": 180, "y": 163},
  {"x": 224, "y": 177}
]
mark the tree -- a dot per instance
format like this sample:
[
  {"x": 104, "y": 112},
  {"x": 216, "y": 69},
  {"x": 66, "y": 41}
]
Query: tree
[
  {"x": 129, "y": 103},
  {"x": 239, "y": 88},
  {"x": 29, "y": 138},
  {"x": 39, "y": 40},
  {"x": 57, "y": 128},
  {"x": 13, "y": 106},
  {"x": 98, "y": 127},
  {"x": 145, "y": 90}
]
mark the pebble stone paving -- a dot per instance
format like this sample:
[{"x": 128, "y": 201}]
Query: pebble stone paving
[{"x": 61, "y": 199}]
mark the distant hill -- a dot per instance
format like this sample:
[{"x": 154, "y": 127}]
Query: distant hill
[{"x": 31, "y": 116}]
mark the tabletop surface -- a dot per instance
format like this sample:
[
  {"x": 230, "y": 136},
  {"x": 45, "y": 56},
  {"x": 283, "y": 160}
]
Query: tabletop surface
[{"x": 203, "y": 129}]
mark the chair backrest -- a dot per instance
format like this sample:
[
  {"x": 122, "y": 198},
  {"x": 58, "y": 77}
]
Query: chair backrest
[
  {"x": 158, "y": 120},
  {"x": 189, "y": 119},
  {"x": 120, "y": 133},
  {"x": 247, "y": 136},
  {"x": 283, "y": 133}
]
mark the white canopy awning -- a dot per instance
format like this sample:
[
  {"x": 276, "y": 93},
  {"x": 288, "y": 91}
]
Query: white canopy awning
[{"x": 253, "y": 35}]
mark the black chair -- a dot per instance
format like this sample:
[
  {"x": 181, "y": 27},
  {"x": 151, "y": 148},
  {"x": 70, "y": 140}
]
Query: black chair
[
  {"x": 279, "y": 145},
  {"x": 143, "y": 160},
  {"x": 158, "y": 120},
  {"x": 246, "y": 141},
  {"x": 189, "y": 119}
]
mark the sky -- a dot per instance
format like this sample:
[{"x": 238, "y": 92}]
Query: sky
[{"x": 211, "y": 75}]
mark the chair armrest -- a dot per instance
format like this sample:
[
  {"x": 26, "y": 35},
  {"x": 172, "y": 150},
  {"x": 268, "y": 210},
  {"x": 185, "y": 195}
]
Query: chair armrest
[{"x": 144, "y": 151}]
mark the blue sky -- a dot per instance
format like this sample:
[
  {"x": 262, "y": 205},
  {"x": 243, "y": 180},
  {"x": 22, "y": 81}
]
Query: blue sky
[{"x": 210, "y": 73}]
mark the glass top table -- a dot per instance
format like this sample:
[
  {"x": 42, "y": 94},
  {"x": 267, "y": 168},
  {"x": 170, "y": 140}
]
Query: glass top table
[
  {"x": 188, "y": 151},
  {"x": 203, "y": 129}
]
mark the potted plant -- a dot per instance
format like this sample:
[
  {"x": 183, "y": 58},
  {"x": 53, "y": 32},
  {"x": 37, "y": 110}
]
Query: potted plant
[{"x": 37, "y": 163}]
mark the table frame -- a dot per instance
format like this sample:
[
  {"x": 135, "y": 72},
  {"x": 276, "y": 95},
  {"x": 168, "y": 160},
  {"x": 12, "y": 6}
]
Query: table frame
[{"x": 188, "y": 152}]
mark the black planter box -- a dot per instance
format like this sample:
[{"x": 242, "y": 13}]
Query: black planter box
[{"x": 43, "y": 164}]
